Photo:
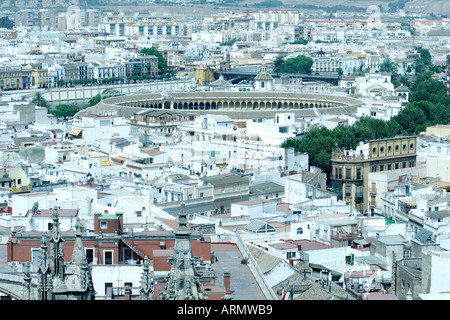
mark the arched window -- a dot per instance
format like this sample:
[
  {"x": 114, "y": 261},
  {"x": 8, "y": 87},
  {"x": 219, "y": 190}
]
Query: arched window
[
  {"x": 262, "y": 84},
  {"x": 300, "y": 230}
]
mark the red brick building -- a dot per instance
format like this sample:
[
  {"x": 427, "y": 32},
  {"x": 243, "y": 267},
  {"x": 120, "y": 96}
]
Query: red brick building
[{"x": 108, "y": 244}]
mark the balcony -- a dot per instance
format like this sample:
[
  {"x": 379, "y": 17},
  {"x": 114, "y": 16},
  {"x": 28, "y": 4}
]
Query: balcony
[{"x": 345, "y": 236}]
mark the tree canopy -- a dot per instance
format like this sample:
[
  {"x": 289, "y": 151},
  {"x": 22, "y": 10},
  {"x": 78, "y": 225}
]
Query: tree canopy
[
  {"x": 299, "y": 64},
  {"x": 6, "y": 23},
  {"x": 40, "y": 101}
]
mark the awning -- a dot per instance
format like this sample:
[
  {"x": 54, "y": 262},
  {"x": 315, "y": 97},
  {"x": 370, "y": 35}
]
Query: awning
[
  {"x": 119, "y": 159},
  {"x": 410, "y": 203},
  {"x": 75, "y": 132},
  {"x": 107, "y": 163}
]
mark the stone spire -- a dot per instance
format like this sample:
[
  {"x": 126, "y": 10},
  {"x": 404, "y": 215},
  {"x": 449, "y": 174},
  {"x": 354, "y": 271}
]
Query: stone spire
[
  {"x": 64, "y": 281},
  {"x": 78, "y": 254},
  {"x": 79, "y": 260},
  {"x": 45, "y": 283},
  {"x": 183, "y": 282},
  {"x": 27, "y": 281},
  {"x": 56, "y": 248},
  {"x": 146, "y": 290}
]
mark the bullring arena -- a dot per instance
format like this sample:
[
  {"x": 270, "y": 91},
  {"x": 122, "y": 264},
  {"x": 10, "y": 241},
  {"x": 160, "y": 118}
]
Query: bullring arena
[{"x": 237, "y": 105}]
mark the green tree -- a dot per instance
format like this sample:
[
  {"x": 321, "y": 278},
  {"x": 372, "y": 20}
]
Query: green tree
[
  {"x": 409, "y": 119},
  {"x": 431, "y": 90},
  {"x": 40, "y": 101},
  {"x": 300, "y": 41},
  {"x": 6, "y": 23},
  {"x": 423, "y": 61},
  {"x": 389, "y": 65},
  {"x": 299, "y": 64},
  {"x": 65, "y": 110},
  {"x": 93, "y": 101}
]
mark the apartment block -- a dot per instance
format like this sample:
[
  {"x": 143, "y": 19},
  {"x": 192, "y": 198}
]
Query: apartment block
[{"x": 350, "y": 169}]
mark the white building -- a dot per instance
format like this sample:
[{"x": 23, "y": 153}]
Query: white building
[
  {"x": 384, "y": 181},
  {"x": 105, "y": 276},
  {"x": 374, "y": 85},
  {"x": 435, "y": 263},
  {"x": 409, "y": 203},
  {"x": 434, "y": 151},
  {"x": 275, "y": 131},
  {"x": 254, "y": 208},
  {"x": 93, "y": 129}
]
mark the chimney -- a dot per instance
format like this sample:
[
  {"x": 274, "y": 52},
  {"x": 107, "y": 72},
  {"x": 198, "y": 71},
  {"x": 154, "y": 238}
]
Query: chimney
[
  {"x": 226, "y": 282},
  {"x": 127, "y": 293},
  {"x": 97, "y": 222},
  {"x": 120, "y": 222}
]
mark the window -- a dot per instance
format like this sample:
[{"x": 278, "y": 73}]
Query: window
[
  {"x": 103, "y": 224},
  {"x": 89, "y": 255},
  {"x": 127, "y": 254},
  {"x": 108, "y": 257},
  {"x": 358, "y": 191},
  {"x": 348, "y": 174},
  {"x": 35, "y": 256},
  {"x": 300, "y": 230},
  {"x": 348, "y": 190},
  {"x": 290, "y": 255},
  {"x": 358, "y": 173},
  {"x": 107, "y": 286},
  {"x": 338, "y": 173}
]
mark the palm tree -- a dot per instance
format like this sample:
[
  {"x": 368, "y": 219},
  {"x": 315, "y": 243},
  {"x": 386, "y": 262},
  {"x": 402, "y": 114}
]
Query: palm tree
[{"x": 40, "y": 101}]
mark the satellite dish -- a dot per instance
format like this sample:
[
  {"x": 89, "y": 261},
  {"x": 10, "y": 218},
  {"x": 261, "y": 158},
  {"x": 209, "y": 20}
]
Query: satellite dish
[{"x": 34, "y": 210}]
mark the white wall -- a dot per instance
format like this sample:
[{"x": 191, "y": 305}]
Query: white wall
[
  {"x": 117, "y": 275},
  {"x": 306, "y": 227},
  {"x": 279, "y": 273},
  {"x": 440, "y": 264},
  {"x": 333, "y": 258},
  {"x": 253, "y": 211},
  {"x": 21, "y": 203}
]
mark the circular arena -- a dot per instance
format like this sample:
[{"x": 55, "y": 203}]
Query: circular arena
[{"x": 237, "y": 105}]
